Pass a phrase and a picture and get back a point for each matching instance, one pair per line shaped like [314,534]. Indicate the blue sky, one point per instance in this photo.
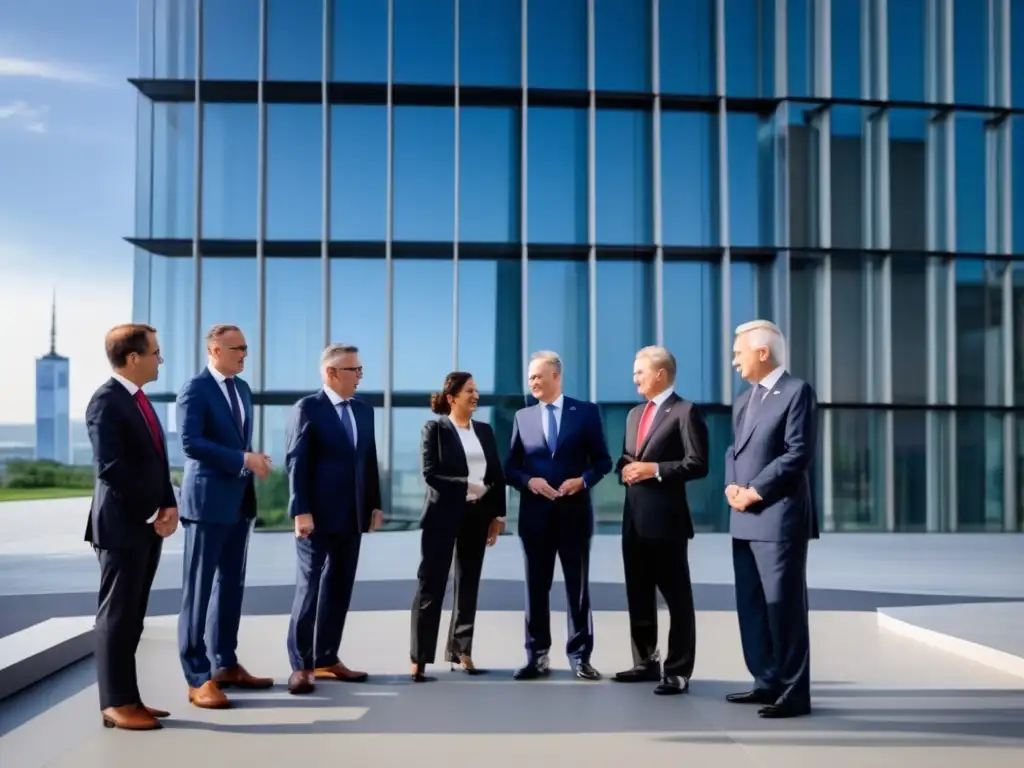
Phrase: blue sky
[67,144]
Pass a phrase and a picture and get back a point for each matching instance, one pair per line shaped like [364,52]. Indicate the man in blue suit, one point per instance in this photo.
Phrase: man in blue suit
[558,454]
[334,498]
[217,509]
[772,519]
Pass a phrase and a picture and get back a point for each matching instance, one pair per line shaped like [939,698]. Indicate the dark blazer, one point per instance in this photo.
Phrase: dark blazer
[133,480]
[677,441]
[214,481]
[444,467]
[581,452]
[773,457]
[328,477]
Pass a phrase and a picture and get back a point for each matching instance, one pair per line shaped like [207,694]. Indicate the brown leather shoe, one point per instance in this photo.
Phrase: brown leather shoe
[340,672]
[239,677]
[154,712]
[130,718]
[208,696]
[301,682]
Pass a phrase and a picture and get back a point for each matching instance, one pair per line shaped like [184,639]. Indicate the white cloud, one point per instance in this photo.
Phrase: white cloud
[45,70]
[23,115]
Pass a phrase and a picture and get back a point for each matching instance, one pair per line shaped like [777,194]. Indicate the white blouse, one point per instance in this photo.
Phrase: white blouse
[476,460]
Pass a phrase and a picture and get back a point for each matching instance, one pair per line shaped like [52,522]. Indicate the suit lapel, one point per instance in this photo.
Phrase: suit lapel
[138,419]
[657,421]
[568,422]
[221,402]
[447,433]
[766,410]
[333,418]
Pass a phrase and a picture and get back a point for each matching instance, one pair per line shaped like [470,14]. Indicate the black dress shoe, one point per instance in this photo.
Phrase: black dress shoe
[418,675]
[672,685]
[783,710]
[586,672]
[751,697]
[539,667]
[644,672]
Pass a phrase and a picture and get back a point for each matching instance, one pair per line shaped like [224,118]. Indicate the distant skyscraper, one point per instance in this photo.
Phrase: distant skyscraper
[53,422]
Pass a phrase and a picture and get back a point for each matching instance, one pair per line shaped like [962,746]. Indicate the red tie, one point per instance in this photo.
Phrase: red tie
[150,416]
[645,423]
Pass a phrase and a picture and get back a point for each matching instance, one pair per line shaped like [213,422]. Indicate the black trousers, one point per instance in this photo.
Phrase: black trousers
[467,542]
[126,578]
[654,565]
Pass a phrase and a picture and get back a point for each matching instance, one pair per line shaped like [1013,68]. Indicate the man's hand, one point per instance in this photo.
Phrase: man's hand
[166,521]
[638,471]
[258,464]
[496,528]
[476,491]
[571,486]
[743,498]
[303,526]
[376,520]
[731,491]
[540,486]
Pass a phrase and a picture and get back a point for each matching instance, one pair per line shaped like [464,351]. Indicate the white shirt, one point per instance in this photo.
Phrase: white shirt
[220,378]
[769,381]
[476,460]
[559,404]
[659,400]
[132,389]
[336,401]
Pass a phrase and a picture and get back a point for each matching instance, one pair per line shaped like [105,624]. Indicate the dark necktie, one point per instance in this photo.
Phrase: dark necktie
[151,422]
[344,411]
[756,398]
[552,429]
[236,412]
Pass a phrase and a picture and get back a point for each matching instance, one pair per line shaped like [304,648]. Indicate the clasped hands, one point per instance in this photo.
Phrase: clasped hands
[166,521]
[638,471]
[304,524]
[541,487]
[258,464]
[741,498]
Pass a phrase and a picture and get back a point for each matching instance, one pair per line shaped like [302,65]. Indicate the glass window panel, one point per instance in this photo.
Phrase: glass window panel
[359,37]
[624,155]
[166,413]
[910,470]
[490,42]
[848,177]
[748,223]
[359,315]
[743,77]
[1017,181]
[1017,56]
[490,324]
[272,492]
[295,326]
[692,294]
[622,46]
[806,291]
[231,40]
[686,50]
[406,478]
[689,172]
[424,41]
[359,172]
[556,44]
[906,49]
[174,44]
[799,47]
[979,332]
[979,471]
[846,54]
[858,470]
[173,169]
[1020,473]
[144,168]
[970,52]
[909,297]
[856,328]
[557,175]
[1018,337]
[229,296]
[609,495]
[751,292]
[423,289]
[424,173]
[971,202]
[230,162]
[907,179]
[294,172]
[625,324]
[489,194]
[558,319]
[295,39]
[172,312]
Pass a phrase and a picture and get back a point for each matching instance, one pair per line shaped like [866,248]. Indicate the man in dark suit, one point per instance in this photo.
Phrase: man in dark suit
[768,486]
[558,454]
[218,506]
[334,498]
[665,446]
[133,511]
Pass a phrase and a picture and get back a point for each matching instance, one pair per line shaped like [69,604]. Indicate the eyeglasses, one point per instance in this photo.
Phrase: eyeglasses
[352,369]
[240,348]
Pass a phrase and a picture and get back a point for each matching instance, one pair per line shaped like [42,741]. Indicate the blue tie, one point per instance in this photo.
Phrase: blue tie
[552,429]
[344,409]
[233,397]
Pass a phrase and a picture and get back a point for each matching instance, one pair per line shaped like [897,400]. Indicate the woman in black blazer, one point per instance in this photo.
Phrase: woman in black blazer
[464,512]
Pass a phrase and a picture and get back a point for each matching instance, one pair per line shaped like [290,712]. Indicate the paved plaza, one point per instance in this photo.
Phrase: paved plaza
[883,694]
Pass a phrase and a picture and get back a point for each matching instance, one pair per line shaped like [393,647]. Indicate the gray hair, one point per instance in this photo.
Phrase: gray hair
[333,351]
[764,333]
[661,359]
[218,330]
[549,357]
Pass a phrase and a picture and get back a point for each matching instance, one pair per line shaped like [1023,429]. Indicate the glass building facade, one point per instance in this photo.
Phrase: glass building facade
[457,183]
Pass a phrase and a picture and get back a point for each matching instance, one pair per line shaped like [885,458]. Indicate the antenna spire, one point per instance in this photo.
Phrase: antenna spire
[53,324]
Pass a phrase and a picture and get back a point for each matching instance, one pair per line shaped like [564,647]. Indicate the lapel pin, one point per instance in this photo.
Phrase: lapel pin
[572,407]
[775,392]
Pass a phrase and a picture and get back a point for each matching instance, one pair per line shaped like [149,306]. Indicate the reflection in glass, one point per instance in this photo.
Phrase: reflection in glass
[294,171]
[625,324]
[556,45]
[424,42]
[423,323]
[489,42]
[846,50]
[908,308]
[689,172]
[272,492]
[489,176]
[229,297]
[979,332]
[295,327]
[910,470]
[1017,357]
[558,319]
[686,51]
[806,289]
[907,179]
[359,154]
[407,486]
[359,35]
[857,333]
[359,315]
[970,51]
[557,175]
[622,46]
[751,299]
[749,219]
[849,177]
[295,39]
[490,319]
[172,313]
[624,209]
[230,163]
[231,40]
[799,49]
[692,301]
[743,38]
[174,159]
[979,471]
[970,183]
[424,173]
[906,49]
[858,470]
[174,42]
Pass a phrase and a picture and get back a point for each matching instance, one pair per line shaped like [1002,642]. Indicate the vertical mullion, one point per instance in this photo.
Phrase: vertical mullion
[591,205]
[261,216]
[456,171]
[524,109]
[197,223]
[327,48]
[1003,67]
[933,467]
[389,281]
[949,203]
[725,327]
[780,153]
[659,252]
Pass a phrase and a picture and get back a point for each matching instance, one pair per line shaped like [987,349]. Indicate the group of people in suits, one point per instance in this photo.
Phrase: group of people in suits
[557,456]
